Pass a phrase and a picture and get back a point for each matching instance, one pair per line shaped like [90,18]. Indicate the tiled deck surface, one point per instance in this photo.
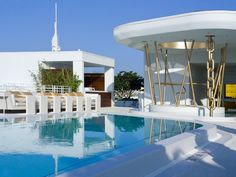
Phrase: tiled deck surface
[217,159]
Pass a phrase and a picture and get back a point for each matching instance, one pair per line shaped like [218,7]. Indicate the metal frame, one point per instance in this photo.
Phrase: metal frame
[224,55]
[150,74]
[188,46]
[188,70]
[214,83]
[167,74]
[182,45]
[158,73]
[220,76]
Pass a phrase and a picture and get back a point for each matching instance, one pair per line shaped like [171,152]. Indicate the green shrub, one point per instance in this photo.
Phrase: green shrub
[126,83]
[62,77]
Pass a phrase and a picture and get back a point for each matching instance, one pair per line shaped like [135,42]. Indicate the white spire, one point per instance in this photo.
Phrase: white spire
[55,41]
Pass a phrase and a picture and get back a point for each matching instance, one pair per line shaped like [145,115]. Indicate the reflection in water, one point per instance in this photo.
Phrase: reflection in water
[60,130]
[129,124]
[59,144]
[96,124]
[162,129]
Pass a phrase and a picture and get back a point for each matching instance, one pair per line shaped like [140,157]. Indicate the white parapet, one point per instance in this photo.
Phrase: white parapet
[43,104]
[98,103]
[109,81]
[43,117]
[30,104]
[78,69]
[69,105]
[80,104]
[141,101]
[200,111]
[56,104]
[88,104]
[3,101]
[92,102]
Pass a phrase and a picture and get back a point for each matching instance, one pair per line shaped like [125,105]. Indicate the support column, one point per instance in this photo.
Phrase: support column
[78,69]
[109,82]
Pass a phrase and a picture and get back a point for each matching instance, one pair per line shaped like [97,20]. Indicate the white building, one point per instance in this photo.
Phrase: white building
[177,51]
[16,67]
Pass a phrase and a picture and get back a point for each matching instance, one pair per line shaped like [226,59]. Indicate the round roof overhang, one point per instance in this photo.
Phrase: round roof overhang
[190,26]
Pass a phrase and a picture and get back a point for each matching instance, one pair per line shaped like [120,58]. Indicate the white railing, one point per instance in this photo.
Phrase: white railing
[31,103]
[54,89]
[28,87]
[15,86]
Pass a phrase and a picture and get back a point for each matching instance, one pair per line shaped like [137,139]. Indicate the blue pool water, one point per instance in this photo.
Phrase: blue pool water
[54,146]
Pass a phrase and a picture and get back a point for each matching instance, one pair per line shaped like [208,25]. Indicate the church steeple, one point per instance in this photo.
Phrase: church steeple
[55,40]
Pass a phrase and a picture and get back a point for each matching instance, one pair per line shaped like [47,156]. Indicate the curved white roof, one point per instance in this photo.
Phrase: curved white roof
[189,26]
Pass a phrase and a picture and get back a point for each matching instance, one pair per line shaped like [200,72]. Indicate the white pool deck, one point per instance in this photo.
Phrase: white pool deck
[212,156]
[209,151]
[217,159]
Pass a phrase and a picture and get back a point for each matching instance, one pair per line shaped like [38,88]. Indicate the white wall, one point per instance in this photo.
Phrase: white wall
[78,69]
[15,67]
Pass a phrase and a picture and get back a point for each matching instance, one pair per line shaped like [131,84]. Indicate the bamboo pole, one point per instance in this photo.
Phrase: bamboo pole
[158,73]
[149,73]
[167,74]
[222,75]
[187,70]
[189,54]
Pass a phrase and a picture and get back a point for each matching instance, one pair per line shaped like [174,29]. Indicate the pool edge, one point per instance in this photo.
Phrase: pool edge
[150,158]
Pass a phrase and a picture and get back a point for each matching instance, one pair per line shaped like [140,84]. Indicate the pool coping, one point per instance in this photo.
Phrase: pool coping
[151,158]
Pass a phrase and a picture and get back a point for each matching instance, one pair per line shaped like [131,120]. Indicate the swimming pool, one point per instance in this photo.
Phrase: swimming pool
[54,146]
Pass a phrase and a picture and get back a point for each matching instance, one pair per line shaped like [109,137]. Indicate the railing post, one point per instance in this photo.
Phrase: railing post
[98,103]
[43,104]
[80,104]
[56,104]
[88,104]
[69,107]
[30,104]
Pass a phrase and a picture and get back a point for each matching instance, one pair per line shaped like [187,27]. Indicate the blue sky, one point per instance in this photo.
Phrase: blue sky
[27,25]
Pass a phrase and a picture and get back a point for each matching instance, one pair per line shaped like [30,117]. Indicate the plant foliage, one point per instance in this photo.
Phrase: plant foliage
[126,84]
[62,77]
